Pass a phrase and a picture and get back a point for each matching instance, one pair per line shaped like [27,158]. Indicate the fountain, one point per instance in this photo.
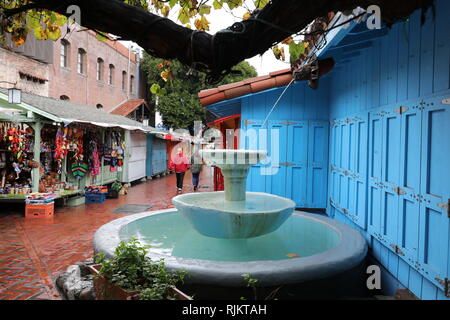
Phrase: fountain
[219,236]
[235,213]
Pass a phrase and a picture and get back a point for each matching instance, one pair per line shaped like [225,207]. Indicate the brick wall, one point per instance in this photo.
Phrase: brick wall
[85,88]
[10,65]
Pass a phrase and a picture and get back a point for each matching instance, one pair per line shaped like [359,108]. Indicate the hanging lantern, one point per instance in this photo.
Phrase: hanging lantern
[14,96]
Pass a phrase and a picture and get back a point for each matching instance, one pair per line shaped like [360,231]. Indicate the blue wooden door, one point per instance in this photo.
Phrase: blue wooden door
[297,162]
[358,168]
[435,191]
[255,137]
[375,172]
[317,164]
[390,180]
[410,163]
[277,152]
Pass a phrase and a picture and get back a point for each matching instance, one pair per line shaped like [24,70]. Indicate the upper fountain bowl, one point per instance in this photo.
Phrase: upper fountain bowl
[223,158]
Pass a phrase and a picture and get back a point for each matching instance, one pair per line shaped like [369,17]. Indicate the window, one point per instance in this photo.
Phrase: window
[64,97]
[64,53]
[99,69]
[99,106]
[131,83]
[81,62]
[124,80]
[111,74]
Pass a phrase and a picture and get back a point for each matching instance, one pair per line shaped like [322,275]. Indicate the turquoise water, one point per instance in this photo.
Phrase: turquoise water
[171,234]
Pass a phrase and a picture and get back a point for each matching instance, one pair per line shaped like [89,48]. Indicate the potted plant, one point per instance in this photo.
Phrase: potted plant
[113,192]
[132,275]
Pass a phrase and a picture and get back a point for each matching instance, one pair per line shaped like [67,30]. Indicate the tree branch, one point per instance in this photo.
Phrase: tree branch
[164,38]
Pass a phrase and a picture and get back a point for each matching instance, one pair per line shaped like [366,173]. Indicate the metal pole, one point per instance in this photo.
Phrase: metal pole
[37,126]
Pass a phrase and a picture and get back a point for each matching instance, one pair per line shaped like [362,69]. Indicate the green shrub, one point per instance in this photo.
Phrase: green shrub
[132,270]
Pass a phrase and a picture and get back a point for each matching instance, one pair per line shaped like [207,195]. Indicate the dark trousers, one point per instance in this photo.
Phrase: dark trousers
[180,178]
[195,179]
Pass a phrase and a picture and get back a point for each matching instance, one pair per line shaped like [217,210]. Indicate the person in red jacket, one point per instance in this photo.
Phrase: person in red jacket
[180,164]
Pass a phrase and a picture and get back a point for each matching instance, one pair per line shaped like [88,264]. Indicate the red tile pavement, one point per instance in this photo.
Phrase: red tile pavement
[33,252]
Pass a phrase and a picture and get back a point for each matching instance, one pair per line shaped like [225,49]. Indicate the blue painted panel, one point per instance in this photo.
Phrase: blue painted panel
[414,40]
[159,156]
[375,174]
[318,164]
[391,127]
[410,163]
[255,137]
[148,159]
[442,47]
[277,168]
[297,156]
[435,190]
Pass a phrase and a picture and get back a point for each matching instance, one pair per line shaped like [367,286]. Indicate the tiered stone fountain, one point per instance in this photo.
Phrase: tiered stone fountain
[220,236]
[235,213]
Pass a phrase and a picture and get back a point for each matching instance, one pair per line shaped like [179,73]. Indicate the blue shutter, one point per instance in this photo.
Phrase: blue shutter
[435,191]
[297,157]
[317,164]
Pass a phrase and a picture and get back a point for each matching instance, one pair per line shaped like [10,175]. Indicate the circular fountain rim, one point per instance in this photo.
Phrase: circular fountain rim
[347,254]
[181,197]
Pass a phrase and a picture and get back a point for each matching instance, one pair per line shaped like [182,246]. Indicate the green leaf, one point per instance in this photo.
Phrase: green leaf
[204,9]
[217,4]
[155,88]
[261,3]
[183,16]
[296,50]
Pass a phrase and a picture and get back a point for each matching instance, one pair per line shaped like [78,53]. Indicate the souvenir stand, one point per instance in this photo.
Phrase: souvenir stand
[58,147]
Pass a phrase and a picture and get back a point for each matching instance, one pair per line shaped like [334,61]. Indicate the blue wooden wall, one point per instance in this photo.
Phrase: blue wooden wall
[296,137]
[389,149]
[377,129]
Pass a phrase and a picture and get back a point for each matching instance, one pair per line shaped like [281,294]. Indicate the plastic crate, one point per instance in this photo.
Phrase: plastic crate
[40,210]
[95,198]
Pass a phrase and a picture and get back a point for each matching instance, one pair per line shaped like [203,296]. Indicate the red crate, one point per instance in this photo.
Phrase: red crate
[40,210]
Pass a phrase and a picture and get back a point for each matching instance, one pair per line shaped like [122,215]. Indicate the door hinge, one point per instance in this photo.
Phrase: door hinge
[247,122]
[445,206]
[399,191]
[402,110]
[397,249]
[446,285]
[287,123]
[446,101]
[287,164]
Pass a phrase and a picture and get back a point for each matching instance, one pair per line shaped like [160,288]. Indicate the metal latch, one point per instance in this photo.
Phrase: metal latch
[446,101]
[446,285]
[287,123]
[247,122]
[399,191]
[287,164]
[445,206]
[397,249]
[402,110]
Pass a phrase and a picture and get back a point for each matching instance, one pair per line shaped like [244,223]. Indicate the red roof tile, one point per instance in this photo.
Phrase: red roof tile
[275,79]
[127,107]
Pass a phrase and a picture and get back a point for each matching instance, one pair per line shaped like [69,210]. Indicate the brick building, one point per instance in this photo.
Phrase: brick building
[97,73]
[27,66]
[78,67]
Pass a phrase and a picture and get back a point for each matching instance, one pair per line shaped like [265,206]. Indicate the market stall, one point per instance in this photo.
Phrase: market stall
[53,146]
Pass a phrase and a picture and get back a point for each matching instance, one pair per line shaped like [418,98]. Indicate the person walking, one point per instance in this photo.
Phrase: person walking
[180,164]
[196,168]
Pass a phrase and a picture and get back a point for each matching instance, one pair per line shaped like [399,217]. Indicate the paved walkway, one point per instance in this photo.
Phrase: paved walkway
[33,252]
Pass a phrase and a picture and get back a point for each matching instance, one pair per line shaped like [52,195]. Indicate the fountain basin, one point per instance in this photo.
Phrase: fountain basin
[306,248]
[213,216]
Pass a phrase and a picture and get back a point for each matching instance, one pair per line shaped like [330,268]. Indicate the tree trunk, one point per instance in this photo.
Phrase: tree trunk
[163,38]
